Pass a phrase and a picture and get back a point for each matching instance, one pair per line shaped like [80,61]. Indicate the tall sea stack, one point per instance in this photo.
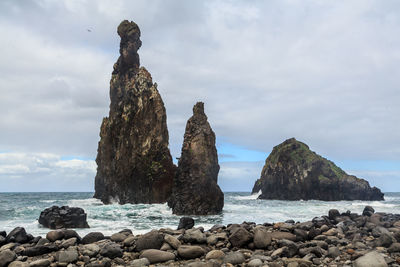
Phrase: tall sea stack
[134,164]
[196,191]
[293,172]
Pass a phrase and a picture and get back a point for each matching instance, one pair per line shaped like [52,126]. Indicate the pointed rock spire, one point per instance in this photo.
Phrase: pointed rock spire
[196,191]
[134,164]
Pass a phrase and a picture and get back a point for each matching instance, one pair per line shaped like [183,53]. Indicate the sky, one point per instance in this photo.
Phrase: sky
[324,72]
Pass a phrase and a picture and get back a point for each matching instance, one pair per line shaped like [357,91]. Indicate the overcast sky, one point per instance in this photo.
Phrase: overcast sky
[325,72]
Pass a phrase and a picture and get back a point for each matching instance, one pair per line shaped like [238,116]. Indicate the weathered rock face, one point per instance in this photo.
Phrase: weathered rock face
[134,161]
[195,185]
[293,172]
[63,217]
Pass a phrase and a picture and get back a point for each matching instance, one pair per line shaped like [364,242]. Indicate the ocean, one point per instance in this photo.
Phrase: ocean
[23,209]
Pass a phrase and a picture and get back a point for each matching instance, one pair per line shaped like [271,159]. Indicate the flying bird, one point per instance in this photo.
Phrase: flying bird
[89,30]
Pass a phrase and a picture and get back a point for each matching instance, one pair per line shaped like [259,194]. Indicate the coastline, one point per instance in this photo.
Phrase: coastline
[334,239]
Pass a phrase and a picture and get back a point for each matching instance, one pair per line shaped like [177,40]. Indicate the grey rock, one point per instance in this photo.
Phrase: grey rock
[262,238]
[234,258]
[151,240]
[215,254]
[18,264]
[18,235]
[186,223]
[6,256]
[40,263]
[69,242]
[368,211]
[240,237]
[395,247]
[385,240]
[255,263]
[92,237]
[67,256]
[140,262]
[155,255]
[111,250]
[283,235]
[371,259]
[129,241]
[90,250]
[333,252]
[39,250]
[190,252]
[172,241]
[118,237]
[194,236]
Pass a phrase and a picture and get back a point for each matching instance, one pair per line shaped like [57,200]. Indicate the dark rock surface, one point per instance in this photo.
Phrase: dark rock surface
[293,172]
[18,235]
[63,217]
[339,240]
[195,185]
[133,159]
[186,223]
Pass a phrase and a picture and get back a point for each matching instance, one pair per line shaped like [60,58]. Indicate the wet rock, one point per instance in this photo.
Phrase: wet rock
[151,240]
[133,159]
[6,256]
[234,258]
[92,237]
[186,223]
[18,235]
[195,188]
[371,259]
[118,237]
[39,250]
[333,213]
[368,211]
[240,237]
[3,240]
[155,255]
[190,252]
[55,235]
[293,172]
[111,250]
[262,239]
[63,217]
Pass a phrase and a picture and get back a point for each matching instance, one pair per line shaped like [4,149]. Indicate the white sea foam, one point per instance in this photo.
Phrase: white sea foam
[141,218]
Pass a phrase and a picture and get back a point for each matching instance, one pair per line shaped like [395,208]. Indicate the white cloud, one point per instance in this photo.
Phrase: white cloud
[324,72]
[45,172]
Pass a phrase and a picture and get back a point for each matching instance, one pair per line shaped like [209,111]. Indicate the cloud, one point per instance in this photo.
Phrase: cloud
[45,172]
[323,72]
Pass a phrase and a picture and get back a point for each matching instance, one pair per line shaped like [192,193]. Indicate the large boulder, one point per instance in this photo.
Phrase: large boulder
[134,164]
[63,217]
[293,172]
[195,185]
[18,235]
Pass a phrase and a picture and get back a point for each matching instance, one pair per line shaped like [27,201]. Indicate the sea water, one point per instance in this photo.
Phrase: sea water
[23,209]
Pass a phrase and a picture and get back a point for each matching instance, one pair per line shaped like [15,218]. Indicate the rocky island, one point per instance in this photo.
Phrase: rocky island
[195,190]
[293,172]
[134,164]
